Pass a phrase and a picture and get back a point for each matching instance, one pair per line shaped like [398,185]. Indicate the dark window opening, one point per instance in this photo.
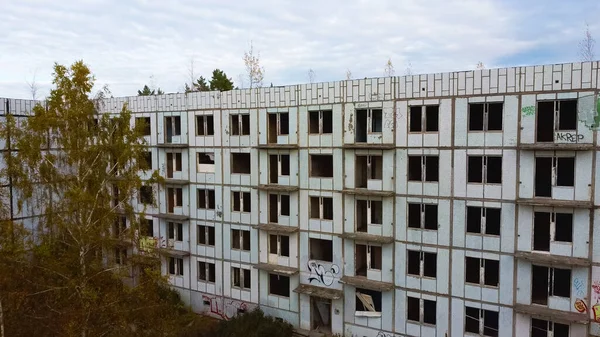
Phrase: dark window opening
[142,123]
[474,217]
[472,320]
[491,272]
[494,116]
[491,323]
[475,169]
[375,257]
[492,221]
[431,217]
[539,285]
[415,121]
[240,239]
[146,195]
[564,227]
[413,309]
[493,168]
[206,235]
[273,208]
[240,163]
[321,166]
[561,282]
[327,208]
[543,176]
[147,227]
[414,262]
[476,116]
[545,121]
[284,200]
[376,208]
[432,118]
[360,126]
[567,116]
[429,312]
[327,121]
[565,175]
[368,300]
[285,164]
[376,120]
[414,215]
[415,168]
[429,264]
[541,231]
[321,250]
[313,122]
[245,124]
[148,160]
[235,125]
[175,231]
[432,168]
[247,278]
[206,271]
[205,125]
[279,285]
[284,123]
[472,270]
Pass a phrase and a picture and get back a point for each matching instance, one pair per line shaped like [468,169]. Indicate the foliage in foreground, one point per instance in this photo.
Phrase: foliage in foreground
[251,324]
[62,271]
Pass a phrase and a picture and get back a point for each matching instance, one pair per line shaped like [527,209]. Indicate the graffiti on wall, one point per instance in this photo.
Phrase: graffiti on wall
[579,286]
[569,137]
[321,273]
[389,117]
[383,334]
[595,301]
[528,110]
[225,308]
[589,111]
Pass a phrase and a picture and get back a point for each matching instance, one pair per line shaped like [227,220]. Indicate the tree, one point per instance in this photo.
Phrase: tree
[253,324]
[389,68]
[480,65]
[348,74]
[408,71]
[146,91]
[69,281]
[33,87]
[220,81]
[254,71]
[587,46]
[311,75]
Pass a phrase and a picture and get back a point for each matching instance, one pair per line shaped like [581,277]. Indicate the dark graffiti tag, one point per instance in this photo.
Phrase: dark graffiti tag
[568,137]
[321,274]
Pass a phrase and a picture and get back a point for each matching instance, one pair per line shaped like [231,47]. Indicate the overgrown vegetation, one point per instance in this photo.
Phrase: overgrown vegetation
[251,324]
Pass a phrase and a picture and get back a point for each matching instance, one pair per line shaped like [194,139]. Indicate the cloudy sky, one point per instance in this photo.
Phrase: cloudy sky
[129,43]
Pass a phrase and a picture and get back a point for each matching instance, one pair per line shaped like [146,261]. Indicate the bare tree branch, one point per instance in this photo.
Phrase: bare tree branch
[587,46]
[33,86]
[311,76]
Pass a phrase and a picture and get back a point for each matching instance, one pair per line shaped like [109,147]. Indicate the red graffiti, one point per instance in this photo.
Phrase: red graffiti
[224,309]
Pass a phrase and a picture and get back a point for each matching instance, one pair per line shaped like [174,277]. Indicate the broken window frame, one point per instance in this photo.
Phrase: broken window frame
[285,294]
[422,261]
[553,227]
[423,120]
[203,124]
[321,202]
[483,211]
[325,255]
[146,195]
[241,275]
[242,127]
[175,123]
[557,112]
[279,249]
[482,272]
[242,234]
[208,277]
[321,119]
[363,298]
[369,212]
[370,171]
[371,120]
[311,157]
[175,266]
[175,231]
[485,117]
[423,217]
[233,155]
[241,196]
[421,310]
[177,198]
[278,118]
[138,120]
[120,256]
[203,231]
[483,322]
[484,169]
[210,155]
[207,198]
[280,171]
[176,160]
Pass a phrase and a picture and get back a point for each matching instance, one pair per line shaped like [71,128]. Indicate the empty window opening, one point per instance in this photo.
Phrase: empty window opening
[368,167]
[279,285]
[146,195]
[424,118]
[321,250]
[553,171]
[240,163]
[321,208]
[119,226]
[120,256]
[368,212]
[241,201]
[241,278]
[279,205]
[541,328]
[205,125]
[481,322]
[240,239]
[423,168]
[423,216]
[421,310]
[173,163]
[172,127]
[142,123]
[240,125]
[484,169]
[422,263]
[368,300]
[175,266]
[147,160]
[206,199]
[321,165]
[206,271]
[279,245]
[484,272]
[485,116]
[559,115]
[175,198]
[206,235]
[175,231]
[367,121]
[279,125]
[147,226]
[206,162]
[320,122]
[279,165]
[549,282]
[367,257]
[483,220]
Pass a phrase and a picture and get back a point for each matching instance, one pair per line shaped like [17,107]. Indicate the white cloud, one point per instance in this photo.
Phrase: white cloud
[125,42]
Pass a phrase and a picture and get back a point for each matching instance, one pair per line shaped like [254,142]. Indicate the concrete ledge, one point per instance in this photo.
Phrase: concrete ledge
[546,313]
[332,294]
[363,282]
[550,259]
[277,269]
[359,236]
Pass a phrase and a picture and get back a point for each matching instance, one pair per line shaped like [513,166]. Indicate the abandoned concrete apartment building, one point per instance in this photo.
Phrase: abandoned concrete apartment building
[447,204]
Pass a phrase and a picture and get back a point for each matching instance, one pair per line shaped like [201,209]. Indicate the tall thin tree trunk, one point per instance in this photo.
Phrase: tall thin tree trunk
[1,319]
